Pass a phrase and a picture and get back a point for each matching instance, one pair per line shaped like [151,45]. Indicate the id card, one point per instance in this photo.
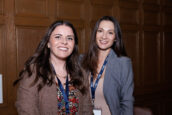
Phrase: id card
[97,111]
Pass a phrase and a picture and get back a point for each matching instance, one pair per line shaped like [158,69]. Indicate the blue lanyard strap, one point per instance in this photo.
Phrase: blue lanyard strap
[65,94]
[93,87]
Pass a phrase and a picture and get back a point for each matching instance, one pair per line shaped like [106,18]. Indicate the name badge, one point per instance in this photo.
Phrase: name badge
[97,111]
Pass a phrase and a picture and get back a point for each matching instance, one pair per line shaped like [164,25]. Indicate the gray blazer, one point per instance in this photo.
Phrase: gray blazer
[118,85]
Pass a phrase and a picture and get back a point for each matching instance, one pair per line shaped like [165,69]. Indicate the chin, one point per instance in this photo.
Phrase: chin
[63,56]
[104,48]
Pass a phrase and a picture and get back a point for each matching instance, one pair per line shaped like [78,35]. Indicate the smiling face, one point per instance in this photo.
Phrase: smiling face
[61,42]
[105,35]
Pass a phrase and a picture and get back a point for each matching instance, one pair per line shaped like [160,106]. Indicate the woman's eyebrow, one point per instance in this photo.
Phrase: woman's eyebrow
[57,34]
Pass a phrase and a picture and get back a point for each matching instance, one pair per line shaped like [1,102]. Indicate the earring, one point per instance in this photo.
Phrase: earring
[48,45]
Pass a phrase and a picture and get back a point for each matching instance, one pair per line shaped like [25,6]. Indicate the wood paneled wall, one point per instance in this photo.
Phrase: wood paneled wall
[147,33]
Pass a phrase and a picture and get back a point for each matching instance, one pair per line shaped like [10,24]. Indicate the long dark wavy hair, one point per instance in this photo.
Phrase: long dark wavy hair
[40,61]
[90,60]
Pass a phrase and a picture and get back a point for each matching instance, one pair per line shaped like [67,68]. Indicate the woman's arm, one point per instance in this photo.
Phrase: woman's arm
[87,101]
[87,105]
[126,101]
[27,97]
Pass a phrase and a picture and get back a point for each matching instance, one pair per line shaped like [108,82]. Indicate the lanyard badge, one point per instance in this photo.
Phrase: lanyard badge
[97,111]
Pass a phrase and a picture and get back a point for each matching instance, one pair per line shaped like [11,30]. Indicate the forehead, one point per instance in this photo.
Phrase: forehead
[63,29]
[105,24]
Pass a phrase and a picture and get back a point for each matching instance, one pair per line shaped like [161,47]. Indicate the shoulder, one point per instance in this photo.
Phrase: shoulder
[119,66]
[123,63]
[29,78]
[123,60]
[120,69]
[115,60]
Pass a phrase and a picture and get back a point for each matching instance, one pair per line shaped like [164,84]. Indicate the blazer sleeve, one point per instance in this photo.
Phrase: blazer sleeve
[87,105]
[86,99]
[27,97]
[126,96]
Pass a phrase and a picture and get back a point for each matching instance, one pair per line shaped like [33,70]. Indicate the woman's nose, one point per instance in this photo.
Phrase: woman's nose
[104,35]
[64,41]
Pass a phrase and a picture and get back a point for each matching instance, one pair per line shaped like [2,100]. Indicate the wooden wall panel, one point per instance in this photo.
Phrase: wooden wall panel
[151,60]
[132,45]
[2,50]
[147,33]
[102,2]
[167,106]
[99,11]
[168,57]
[151,18]
[34,8]
[154,105]
[69,9]
[2,19]
[33,12]
[3,63]
[152,15]
[31,18]
[28,39]
[100,8]
[129,21]
[159,104]
[168,18]
[167,3]
[80,29]
[81,39]
[129,0]
[1,7]
[151,1]
[130,38]
[1,11]
[129,14]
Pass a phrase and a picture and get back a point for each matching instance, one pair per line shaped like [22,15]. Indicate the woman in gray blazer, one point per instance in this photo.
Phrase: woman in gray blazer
[109,69]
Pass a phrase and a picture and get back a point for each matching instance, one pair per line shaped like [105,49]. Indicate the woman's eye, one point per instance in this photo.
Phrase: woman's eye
[70,38]
[111,32]
[99,30]
[58,37]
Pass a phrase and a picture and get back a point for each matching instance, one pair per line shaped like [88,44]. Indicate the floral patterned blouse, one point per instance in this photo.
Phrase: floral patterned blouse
[73,101]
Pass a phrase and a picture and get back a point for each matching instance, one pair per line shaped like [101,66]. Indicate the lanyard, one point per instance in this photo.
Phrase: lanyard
[93,87]
[65,94]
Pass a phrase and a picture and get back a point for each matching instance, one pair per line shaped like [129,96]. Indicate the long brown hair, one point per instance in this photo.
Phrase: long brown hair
[90,60]
[40,61]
